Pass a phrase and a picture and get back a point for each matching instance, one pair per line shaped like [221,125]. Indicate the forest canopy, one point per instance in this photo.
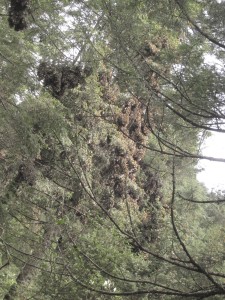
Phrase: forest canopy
[104,105]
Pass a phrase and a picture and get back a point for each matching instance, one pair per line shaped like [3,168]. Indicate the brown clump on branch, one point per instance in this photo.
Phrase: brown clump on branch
[17,14]
[26,173]
[61,78]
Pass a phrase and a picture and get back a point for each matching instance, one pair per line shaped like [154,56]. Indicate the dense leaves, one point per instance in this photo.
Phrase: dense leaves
[103,104]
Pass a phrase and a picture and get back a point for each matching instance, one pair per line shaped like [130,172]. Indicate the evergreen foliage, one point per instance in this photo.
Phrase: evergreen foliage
[102,103]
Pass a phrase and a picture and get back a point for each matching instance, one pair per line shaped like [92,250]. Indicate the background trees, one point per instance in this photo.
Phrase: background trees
[102,107]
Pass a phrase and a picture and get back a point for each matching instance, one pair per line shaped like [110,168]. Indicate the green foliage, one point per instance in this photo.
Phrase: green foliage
[99,196]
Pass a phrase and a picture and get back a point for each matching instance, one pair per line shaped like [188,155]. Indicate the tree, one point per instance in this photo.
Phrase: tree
[100,127]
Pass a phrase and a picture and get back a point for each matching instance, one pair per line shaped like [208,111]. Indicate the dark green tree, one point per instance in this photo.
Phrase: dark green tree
[102,106]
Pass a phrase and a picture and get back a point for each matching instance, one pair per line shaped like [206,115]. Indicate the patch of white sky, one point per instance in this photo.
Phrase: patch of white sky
[213,173]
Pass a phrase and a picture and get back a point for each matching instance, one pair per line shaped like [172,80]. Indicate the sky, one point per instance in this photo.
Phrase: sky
[213,175]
